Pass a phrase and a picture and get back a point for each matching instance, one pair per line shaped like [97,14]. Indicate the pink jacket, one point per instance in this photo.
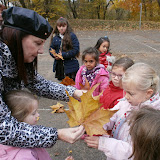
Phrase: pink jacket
[15,153]
[118,146]
[102,77]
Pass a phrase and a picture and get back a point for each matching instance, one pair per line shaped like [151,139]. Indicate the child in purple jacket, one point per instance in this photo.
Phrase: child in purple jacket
[92,71]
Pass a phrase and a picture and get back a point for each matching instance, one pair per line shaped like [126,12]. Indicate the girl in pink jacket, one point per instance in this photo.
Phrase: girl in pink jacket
[140,82]
[92,71]
[23,106]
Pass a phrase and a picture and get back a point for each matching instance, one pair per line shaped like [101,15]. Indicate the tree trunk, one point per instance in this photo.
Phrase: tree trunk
[98,11]
[145,9]
[151,10]
[46,8]
[73,9]
[105,10]
[159,7]
[22,3]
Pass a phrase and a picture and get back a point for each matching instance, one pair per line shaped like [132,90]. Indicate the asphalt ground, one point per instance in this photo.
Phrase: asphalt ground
[141,46]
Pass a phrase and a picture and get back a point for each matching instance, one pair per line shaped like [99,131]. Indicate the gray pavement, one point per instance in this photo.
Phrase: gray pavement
[142,46]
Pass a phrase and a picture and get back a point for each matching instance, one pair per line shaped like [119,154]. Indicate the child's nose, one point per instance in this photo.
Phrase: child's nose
[41,50]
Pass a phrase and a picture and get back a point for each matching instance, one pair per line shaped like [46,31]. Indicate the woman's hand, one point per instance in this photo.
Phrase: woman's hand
[70,135]
[78,93]
[92,141]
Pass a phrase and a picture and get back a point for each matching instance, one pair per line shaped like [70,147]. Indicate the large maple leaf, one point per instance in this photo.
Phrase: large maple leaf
[88,113]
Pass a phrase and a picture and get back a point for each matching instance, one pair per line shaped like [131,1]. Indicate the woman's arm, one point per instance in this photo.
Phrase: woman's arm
[50,89]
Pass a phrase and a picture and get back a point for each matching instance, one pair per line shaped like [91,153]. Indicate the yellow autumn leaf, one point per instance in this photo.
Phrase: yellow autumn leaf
[55,54]
[59,108]
[37,118]
[88,113]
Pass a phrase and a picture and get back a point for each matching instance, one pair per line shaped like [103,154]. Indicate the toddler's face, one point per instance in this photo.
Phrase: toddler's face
[62,29]
[104,47]
[134,95]
[89,62]
[116,75]
[32,117]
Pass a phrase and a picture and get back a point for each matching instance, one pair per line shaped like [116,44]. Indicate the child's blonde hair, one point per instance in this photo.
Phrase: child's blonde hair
[143,76]
[20,103]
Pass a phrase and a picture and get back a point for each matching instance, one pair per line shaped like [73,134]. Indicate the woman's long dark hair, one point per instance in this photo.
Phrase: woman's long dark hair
[13,39]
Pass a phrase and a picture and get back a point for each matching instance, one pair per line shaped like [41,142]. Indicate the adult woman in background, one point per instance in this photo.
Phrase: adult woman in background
[22,39]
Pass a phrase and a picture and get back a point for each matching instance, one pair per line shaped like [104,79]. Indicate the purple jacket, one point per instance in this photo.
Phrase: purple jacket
[15,153]
[102,77]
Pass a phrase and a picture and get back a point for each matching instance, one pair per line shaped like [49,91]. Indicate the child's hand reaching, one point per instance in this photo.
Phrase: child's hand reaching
[92,141]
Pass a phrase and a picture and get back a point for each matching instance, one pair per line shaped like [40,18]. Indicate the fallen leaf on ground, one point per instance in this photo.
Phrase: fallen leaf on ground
[68,81]
[70,151]
[55,54]
[88,113]
[58,108]
[56,154]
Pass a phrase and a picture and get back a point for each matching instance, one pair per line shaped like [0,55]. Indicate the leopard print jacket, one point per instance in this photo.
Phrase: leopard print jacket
[20,134]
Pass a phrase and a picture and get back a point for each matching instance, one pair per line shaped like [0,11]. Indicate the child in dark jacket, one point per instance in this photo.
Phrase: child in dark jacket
[114,90]
[105,56]
[65,44]
[92,71]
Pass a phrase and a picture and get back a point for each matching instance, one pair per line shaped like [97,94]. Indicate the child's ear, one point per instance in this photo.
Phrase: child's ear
[149,93]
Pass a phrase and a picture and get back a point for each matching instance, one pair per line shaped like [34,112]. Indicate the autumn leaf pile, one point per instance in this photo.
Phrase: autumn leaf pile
[88,113]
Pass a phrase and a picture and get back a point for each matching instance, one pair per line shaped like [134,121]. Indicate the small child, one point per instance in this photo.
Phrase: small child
[23,106]
[105,56]
[66,44]
[92,71]
[140,83]
[114,92]
[145,133]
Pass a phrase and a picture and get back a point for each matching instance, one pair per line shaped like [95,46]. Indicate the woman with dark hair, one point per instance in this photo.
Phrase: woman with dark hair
[22,39]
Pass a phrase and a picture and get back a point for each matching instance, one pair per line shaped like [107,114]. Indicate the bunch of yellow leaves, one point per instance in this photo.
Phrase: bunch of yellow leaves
[55,54]
[58,108]
[68,81]
[88,113]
